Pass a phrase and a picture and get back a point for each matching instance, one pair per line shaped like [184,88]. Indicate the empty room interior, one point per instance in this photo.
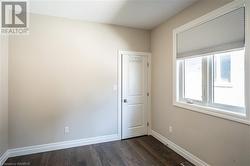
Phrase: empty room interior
[125,83]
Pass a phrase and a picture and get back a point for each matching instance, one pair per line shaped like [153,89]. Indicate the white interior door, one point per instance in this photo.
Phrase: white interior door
[134,95]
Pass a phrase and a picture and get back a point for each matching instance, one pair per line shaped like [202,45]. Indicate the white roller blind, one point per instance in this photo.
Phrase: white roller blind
[223,33]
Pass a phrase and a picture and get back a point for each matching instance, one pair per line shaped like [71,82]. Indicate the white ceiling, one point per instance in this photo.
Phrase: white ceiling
[145,14]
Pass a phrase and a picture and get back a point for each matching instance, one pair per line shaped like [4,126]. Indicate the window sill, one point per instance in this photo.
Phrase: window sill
[214,112]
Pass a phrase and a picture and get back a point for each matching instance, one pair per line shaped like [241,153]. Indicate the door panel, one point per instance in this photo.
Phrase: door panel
[134,95]
[135,76]
[135,115]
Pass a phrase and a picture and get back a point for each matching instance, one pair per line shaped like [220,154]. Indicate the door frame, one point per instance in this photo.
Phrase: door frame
[119,89]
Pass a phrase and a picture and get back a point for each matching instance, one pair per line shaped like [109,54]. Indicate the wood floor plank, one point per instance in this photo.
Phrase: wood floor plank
[162,153]
[108,155]
[127,154]
[144,153]
[140,151]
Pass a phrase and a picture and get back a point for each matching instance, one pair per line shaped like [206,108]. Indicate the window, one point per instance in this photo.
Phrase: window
[228,86]
[193,77]
[215,81]
[211,66]
[222,69]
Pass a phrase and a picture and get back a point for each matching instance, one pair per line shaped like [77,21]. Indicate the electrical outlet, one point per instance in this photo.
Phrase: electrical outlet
[66,130]
[170,129]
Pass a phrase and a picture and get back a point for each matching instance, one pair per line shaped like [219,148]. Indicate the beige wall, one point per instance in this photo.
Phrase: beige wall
[216,141]
[62,74]
[3,94]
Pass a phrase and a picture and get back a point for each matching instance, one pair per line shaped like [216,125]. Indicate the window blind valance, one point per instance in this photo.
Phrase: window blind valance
[223,33]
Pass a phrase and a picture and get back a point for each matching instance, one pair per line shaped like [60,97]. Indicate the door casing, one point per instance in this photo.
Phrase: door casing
[119,89]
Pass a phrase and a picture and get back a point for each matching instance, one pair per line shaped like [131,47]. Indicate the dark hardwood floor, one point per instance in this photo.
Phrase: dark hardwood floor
[140,151]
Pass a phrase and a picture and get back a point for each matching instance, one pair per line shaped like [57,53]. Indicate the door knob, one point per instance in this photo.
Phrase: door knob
[125,100]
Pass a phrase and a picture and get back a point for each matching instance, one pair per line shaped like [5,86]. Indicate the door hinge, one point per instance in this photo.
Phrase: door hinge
[147,64]
[147,123]
[148,94]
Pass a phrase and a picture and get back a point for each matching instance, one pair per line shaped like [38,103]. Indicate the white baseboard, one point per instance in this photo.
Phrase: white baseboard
[4,157]
[184,153]
[94,140]
[60,145]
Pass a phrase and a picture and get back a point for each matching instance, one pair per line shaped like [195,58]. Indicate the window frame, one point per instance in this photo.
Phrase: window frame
[207,84]
[221,110]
